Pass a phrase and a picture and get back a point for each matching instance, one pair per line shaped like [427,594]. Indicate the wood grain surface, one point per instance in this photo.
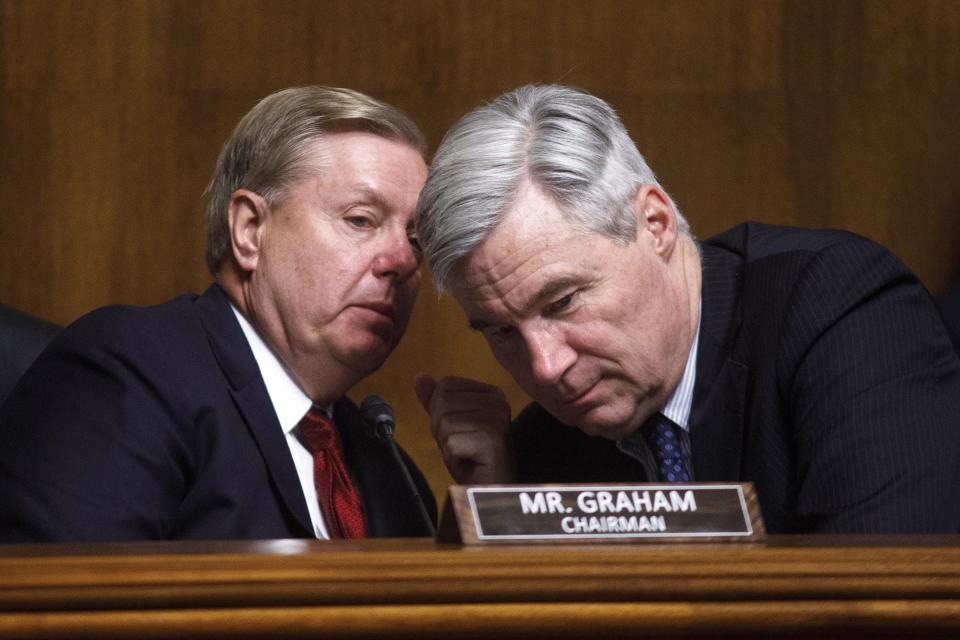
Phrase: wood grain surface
[814,586]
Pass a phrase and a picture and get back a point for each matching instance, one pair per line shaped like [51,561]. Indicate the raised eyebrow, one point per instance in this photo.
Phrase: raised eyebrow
[367,195]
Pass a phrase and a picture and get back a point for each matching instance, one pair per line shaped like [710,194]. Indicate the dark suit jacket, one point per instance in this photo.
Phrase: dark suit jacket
[948,304]
[22,338]
[823,375]
[156,424]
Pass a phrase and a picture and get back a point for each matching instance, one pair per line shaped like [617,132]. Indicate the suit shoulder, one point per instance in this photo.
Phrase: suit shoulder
[755,241]
[130,325]
[125,315]
[122,344]
[783,263]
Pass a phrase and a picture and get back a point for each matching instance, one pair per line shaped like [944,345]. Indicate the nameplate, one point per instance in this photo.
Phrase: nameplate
[692,512]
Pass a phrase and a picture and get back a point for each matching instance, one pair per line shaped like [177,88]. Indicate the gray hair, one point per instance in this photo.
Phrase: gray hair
[270,150]
[568,143]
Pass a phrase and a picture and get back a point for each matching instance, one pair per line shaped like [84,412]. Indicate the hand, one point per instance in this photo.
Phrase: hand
[470,421]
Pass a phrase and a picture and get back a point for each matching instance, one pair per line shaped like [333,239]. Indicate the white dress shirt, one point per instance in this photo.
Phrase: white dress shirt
[290,404]
[680,404]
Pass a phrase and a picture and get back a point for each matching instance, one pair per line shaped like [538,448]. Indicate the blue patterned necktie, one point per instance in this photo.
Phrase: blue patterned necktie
[669,447]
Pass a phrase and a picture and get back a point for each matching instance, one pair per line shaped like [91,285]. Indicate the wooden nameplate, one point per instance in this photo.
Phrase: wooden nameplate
[578,513]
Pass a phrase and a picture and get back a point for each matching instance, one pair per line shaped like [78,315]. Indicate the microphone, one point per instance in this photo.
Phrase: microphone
[378,415]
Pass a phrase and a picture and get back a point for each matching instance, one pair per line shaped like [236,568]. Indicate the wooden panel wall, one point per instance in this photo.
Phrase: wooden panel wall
[838,113]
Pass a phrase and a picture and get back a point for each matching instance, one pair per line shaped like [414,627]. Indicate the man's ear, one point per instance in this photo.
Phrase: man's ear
[246,213]
[657,218]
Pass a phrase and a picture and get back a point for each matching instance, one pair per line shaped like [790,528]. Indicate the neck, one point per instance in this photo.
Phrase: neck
[691,274]
[318,380]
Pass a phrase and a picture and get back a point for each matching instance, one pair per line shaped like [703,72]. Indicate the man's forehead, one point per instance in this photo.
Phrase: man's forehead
[358,147]
[527,254]
[501,265]
[368,167]
[489,300]
[523,242]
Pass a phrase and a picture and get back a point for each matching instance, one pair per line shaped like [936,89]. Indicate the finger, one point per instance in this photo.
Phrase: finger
[484,423]
[464,446]
[476,460]
[457,384]
[489,403]
[455,395]
[453,413]
[475,444]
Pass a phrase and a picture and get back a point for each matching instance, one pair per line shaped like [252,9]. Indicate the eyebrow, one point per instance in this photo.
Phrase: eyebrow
[547,291]
[366,194]
[370,194]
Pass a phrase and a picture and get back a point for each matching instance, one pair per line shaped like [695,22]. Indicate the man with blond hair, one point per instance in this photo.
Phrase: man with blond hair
[224,415]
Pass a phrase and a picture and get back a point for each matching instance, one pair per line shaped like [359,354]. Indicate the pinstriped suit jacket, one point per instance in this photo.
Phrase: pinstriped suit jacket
[824,375]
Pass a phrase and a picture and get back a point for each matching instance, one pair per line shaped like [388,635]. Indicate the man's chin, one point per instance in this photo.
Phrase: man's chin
[365,356]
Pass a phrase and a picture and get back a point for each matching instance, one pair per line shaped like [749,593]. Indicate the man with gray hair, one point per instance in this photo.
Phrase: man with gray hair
[811,363]
[224,415]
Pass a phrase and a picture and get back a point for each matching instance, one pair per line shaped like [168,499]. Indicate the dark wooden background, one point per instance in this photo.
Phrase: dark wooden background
[839,113]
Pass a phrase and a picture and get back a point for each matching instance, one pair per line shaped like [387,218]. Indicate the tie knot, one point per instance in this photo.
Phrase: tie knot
[317,430]
[662,436]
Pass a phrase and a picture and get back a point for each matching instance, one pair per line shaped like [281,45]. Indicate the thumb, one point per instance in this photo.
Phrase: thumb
[424,385]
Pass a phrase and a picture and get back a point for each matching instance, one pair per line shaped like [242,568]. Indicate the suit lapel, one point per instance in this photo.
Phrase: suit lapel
[716,419]
[249,393]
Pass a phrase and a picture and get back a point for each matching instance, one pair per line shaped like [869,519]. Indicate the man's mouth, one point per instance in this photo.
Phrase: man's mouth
[579,396]
[382,308]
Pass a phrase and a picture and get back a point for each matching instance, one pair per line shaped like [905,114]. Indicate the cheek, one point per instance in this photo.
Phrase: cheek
[609,348]
[338,265]
[597,338]
[339,275]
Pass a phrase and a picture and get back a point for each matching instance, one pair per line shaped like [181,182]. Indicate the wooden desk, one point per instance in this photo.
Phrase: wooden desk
[822,587]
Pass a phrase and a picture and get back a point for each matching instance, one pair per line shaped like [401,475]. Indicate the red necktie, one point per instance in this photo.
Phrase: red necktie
[339,500]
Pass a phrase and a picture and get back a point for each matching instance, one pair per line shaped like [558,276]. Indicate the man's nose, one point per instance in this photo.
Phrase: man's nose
[396,257]
[550,355]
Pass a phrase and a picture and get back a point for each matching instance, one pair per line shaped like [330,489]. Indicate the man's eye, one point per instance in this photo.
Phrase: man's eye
[415,242]
[360,222]
[502,333]
[560,305]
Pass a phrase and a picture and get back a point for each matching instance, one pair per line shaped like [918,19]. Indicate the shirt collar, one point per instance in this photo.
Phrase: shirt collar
[290,403]
[681,401]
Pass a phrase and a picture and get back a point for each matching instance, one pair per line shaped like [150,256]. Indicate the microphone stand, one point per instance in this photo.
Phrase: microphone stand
[378,414]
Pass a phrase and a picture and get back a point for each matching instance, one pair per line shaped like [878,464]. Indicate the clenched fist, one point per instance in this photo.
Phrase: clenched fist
[470,421]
